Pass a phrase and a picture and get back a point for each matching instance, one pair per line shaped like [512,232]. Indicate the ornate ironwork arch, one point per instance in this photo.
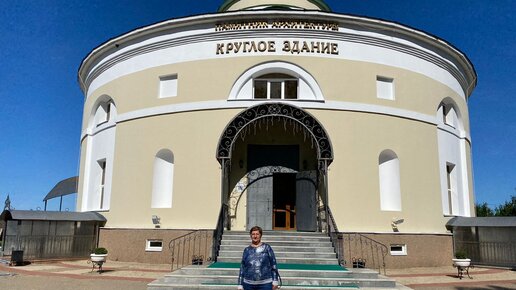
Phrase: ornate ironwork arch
[283,110]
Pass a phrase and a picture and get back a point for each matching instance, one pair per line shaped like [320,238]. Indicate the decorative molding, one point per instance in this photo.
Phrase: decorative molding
[274,67]
[274,110]
[420,45]
[242,104]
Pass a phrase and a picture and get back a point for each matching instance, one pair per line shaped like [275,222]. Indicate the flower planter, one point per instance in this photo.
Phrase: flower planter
[98,257]
[461,262]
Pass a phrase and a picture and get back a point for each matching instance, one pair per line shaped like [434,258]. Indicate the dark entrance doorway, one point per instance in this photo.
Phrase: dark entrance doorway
[272,155]
[273,192]
[284,201]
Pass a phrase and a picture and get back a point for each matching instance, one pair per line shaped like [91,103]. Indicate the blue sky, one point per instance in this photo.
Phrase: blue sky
[43,43]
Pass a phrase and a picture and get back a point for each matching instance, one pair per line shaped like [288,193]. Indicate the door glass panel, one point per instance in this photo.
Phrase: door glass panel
[280,219]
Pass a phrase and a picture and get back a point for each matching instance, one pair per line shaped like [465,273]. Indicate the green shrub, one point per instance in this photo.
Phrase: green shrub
[100,251]
[460,254]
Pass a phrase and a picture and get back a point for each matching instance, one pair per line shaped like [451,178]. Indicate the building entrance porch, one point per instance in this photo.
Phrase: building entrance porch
[274,158]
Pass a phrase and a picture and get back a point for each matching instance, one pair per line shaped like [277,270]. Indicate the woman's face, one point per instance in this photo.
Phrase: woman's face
[256,237]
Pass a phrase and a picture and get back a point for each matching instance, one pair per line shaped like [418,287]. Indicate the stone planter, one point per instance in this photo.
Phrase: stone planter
[98,257]
[461,262]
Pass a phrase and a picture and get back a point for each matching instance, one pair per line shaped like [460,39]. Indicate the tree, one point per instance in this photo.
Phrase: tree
[507,209]
[483,210]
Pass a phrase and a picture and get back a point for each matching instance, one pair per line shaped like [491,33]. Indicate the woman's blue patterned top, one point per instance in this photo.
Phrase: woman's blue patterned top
[258,266]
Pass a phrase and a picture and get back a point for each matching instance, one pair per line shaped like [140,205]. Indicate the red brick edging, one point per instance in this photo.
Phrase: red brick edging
[73,276]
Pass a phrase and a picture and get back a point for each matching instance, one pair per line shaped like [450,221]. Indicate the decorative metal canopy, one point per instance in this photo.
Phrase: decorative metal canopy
[280,110]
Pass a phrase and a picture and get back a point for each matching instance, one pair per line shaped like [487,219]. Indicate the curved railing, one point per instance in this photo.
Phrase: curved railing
[356,250]
[364,252]
[192,248]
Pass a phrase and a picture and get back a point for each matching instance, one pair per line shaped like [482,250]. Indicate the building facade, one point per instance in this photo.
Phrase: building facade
[282,111]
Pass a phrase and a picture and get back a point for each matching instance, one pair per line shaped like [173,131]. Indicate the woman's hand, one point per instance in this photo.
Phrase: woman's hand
[274,287]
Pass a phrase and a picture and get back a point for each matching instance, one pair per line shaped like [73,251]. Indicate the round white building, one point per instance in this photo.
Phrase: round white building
[283,113]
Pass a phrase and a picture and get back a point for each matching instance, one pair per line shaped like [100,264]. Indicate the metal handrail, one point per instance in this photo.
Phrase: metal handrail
[333,232]
[362,251]
[188,249]
[217,235]
[194,247]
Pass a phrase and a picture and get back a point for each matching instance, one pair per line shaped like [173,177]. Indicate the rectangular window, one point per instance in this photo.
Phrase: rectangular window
[291,89]
[154,246]
[275,90]
[275,86]
[399,250]
[260,89]
[102,165]
[168,86]
[450,180]
[385,88]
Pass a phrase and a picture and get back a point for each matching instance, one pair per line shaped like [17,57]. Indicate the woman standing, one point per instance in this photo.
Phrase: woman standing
[258,270]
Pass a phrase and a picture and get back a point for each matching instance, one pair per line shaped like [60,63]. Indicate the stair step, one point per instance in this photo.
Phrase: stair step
[292,260]
[276,233]
[221,279]
[273,244]
[306,261]
[284,273]
[282,255]
[293,249]
[233,287]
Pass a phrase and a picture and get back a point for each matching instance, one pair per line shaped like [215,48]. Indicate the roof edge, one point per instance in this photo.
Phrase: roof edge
[51,215]
[112,44]
[319,3]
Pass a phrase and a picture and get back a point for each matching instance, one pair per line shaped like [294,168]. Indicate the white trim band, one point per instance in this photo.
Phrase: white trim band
[224,104]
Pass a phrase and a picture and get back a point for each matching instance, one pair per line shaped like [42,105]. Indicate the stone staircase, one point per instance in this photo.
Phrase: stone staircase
[305,261]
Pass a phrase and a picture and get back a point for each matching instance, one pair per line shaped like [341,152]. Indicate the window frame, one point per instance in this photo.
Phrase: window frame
[403,251]
[150,248]
[270,80]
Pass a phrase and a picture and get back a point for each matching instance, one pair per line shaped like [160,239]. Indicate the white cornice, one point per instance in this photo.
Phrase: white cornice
[199,29]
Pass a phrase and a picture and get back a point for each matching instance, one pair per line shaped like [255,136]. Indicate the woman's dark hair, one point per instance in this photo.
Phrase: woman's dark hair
[256,228]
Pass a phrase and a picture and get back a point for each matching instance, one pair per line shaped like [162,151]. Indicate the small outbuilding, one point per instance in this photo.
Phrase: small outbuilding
[485,240]
[50,234]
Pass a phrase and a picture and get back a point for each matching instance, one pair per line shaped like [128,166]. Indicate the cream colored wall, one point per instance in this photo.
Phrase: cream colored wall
[358,138]
[243,4]
[349,81]
[192,137]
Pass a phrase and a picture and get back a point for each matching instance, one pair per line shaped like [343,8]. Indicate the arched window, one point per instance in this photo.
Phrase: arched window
[389,173]
[447,114]
[275,86]
[98,168]
[163,180]
[453,151]
[104,113]
[276,80]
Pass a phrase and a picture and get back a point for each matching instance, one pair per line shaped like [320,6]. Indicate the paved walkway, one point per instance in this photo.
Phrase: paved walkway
[446,278]
[78,275]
